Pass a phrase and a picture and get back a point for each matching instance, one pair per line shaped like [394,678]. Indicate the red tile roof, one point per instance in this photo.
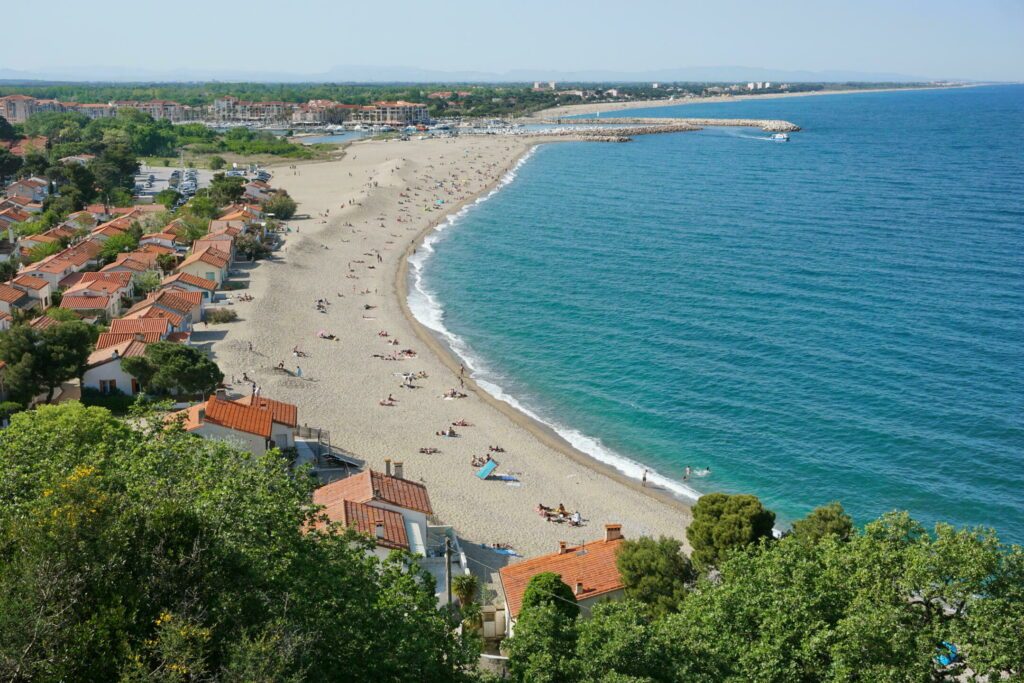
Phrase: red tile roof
[208,255]
[43,322]
[363,518]
[143,325]
[283,413]
[155,312]
[10,294]
[85,302]
[107,339]
[190,279]
[373,486]
[121,278]
[30,282]
[125,349]
[592,564]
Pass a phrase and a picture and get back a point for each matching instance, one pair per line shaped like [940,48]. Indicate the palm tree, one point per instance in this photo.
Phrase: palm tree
[465,588]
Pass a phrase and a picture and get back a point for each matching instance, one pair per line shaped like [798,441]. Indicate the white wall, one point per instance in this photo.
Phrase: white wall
[108,371]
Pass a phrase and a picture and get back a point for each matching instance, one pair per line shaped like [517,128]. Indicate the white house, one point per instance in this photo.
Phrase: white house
[255,424]
[103,368]
[394,493]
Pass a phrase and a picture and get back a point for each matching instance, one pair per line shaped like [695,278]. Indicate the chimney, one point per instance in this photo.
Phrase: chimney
[222,395]
[612,532]
[379,529]
[562,545]
[579,588]
[202,415]
[387,466]
[399,470]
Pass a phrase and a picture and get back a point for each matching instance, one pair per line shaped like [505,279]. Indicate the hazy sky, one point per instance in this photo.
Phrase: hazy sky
[978,39]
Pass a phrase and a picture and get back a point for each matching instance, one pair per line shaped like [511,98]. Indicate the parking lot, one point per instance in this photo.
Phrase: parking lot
[162,176]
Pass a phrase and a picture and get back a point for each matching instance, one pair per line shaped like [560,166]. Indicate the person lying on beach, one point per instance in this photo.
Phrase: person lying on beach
[387,403]
[496,449]
[449,432]
[428,450]
[461,423]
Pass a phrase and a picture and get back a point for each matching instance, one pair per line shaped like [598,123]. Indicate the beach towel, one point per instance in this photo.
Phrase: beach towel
[486,470]
[506,551]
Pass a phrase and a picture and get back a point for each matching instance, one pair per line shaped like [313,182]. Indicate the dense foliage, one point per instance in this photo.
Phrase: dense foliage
[722,523]
[877,606]
[655,572]
[38,361]
[156,556]
[171,368]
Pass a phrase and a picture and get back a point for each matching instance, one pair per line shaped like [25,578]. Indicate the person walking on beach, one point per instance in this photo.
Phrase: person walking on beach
[298,371]
[643,481]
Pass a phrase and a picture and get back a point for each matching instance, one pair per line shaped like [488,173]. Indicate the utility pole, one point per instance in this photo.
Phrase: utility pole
[448,568]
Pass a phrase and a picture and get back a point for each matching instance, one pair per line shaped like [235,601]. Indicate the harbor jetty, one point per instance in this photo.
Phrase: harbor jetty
[677,124]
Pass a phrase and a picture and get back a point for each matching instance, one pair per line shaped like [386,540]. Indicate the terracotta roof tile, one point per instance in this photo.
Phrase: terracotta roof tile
[10,294]
[107,339]
[126,349]
[30,282]
[363,518]
[370,485]
[592,564]
[283,413]
[190,279]
[85,302]
[144,325]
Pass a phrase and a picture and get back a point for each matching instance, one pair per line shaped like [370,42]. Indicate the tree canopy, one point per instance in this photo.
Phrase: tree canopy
[823,521]
[655,572]
[723,522]
[170,368]
[154,555]
[40,360]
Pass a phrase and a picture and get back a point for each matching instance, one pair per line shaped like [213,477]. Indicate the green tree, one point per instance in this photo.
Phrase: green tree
[203,207]
[166,262]
[8,269]
[542,649]
[225,190]
[722,523]
[823,521]
[465,588]
[281,205]
[7,131]
[618,643]
[9,163]
[41,360]
[168,197]
[217,163]
[170,368]
[144,553]
[655,572]
[117,244]
[547,588]
[147,282]
[251,247]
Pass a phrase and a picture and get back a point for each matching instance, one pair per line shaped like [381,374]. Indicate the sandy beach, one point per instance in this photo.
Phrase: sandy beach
[580,109]
[367,212]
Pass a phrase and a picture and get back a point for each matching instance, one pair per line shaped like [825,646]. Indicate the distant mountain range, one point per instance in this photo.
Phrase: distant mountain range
[401,74]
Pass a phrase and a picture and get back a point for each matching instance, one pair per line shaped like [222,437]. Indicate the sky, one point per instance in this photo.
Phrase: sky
[961,39]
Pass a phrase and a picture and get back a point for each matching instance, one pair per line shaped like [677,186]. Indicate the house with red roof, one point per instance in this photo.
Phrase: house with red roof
[103,368]
[589,570]
[36,287]
[34,189]
[188,307]
[95,307]
[256,424]
[208,264]
[13,299]
[191,283]
[385,491]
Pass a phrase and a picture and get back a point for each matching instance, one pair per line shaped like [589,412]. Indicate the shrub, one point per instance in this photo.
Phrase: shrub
[220,315]
[217,163]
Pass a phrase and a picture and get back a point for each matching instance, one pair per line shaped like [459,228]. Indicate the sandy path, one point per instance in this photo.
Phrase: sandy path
[336,258]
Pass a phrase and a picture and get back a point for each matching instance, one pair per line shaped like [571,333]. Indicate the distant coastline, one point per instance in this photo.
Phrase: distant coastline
[578,109]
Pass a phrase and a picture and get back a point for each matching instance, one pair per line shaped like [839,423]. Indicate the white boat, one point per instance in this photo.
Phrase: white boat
[781,137]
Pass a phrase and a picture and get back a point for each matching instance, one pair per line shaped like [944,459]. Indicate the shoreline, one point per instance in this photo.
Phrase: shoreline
[543,431]
[339,389]
[610,107]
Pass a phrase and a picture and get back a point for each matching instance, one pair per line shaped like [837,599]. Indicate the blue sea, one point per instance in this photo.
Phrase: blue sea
[839,317]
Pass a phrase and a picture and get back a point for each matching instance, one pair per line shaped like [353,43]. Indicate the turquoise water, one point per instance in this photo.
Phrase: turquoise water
[837,317]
